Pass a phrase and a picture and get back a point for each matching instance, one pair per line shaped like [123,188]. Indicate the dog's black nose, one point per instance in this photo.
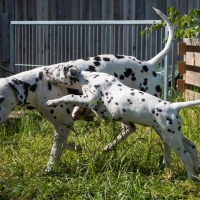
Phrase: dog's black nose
[73,72]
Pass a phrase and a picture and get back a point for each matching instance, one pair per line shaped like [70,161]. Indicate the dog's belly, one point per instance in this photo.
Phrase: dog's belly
[131,114]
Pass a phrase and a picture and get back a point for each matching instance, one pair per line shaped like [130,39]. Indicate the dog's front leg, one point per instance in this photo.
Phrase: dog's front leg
[79,100]
[59,144]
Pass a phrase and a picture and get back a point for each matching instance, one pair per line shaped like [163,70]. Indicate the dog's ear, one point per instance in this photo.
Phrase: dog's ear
[21,88]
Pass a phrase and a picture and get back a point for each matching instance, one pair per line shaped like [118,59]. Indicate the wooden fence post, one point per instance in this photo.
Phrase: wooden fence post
[189,68]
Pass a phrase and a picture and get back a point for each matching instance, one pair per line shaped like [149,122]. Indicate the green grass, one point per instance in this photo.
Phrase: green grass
[131,171]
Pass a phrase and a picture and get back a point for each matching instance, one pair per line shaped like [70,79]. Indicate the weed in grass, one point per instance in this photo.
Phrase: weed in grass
[130,171]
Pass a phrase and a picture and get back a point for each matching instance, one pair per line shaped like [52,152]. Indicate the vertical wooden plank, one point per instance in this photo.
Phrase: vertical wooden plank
[42,11]
[2,6]
[182,7]
[18,10]
[31,10]
[53,10]
[42,8]
[6,14]
[118,10]
[190,58]
[197,59]
[107,10]
[149,11]
[181,67]
[193,4]
[162,6]
[1,30]
[76,10]
[97,10]
[179,5]
[5,37]
[181,48]
[10,8]
[86,9]
[180,85]
[129,9]
[172,3]
[140,8]
[2,74]
[104,34]
[129,13]
[85,14]
[25,9]
[64,10]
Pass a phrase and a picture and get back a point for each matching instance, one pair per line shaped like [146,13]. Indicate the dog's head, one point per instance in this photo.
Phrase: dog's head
[8,99]
[62,74]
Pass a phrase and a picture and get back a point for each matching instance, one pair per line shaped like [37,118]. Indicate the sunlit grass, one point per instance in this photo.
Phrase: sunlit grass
[131,171]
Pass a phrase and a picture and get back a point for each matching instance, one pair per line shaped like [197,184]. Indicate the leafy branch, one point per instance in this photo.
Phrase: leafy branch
[185,26]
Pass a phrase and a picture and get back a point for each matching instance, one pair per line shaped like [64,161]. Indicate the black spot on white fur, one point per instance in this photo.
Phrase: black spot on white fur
[145,68]
[128,72]
[97,63]
[121,77]
[119,56]
[154,74]
[97,58]
[158,89]
[33,87]
[49,86]
[106,59]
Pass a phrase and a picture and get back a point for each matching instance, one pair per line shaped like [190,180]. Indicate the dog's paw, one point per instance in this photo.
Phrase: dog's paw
[108,147]
[50,103]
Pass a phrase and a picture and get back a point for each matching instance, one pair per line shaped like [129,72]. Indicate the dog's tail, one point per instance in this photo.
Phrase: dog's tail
[179,105]
[160,56]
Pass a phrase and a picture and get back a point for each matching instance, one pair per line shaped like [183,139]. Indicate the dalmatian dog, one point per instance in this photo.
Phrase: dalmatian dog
[31,90]
[129,70]
[101,94]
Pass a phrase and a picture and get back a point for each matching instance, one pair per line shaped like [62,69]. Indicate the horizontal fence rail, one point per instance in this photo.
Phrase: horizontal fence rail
[39,43]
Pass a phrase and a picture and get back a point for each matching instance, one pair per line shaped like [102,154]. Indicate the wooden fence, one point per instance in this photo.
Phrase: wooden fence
[32,10]
[189,68]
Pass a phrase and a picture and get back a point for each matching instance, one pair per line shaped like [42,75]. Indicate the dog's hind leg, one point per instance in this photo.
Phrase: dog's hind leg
[191,148]
[174,141]
[167,152]
[128,128]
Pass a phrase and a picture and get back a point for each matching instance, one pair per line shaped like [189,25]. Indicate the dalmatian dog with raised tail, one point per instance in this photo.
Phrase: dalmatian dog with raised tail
[129,70]
[31,90]
[100,93]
